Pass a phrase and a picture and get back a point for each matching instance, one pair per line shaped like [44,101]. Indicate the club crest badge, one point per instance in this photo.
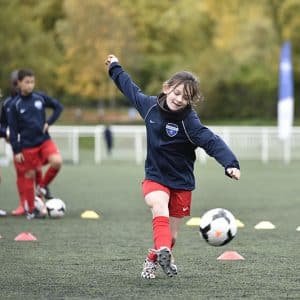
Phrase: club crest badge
[171,129]
[38,104]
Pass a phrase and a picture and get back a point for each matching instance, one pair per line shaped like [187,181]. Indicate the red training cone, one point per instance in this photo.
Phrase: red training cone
[25,236]
[230,255]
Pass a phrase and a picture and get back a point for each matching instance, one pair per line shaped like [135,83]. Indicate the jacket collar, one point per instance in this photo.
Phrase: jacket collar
[168,114]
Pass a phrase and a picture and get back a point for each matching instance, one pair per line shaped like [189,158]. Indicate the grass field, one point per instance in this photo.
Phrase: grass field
[101,259]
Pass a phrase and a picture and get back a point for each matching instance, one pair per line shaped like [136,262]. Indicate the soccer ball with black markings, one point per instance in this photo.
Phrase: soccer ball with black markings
[218,227]
[56,208]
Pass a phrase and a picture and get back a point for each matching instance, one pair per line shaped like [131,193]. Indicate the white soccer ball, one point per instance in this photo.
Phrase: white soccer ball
[218,226]
[40,205]
[56,208]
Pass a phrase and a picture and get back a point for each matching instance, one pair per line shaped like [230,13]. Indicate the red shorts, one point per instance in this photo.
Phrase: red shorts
[36,157]
[179,200]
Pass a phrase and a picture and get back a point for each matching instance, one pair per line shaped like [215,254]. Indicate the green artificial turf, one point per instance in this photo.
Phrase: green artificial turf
[75,258]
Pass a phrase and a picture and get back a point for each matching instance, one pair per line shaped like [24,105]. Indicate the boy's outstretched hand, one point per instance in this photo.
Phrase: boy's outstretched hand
[234,173]
[110,59]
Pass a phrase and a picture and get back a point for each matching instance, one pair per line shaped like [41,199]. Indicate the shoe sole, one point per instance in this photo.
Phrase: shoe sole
[164,260]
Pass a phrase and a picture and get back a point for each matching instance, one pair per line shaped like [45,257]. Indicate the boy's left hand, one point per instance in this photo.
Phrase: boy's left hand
[234,173]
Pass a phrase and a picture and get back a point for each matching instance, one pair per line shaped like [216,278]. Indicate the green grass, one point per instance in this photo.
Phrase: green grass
[101,259]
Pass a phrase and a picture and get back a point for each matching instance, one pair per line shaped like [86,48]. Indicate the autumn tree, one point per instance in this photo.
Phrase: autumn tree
[28,42]
[92,29]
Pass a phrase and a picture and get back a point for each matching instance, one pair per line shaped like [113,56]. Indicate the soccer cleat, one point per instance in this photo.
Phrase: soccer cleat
[164,258]
[3,213]
[35,214]
[48,194]
[19,211]
[149,269]
[44,192]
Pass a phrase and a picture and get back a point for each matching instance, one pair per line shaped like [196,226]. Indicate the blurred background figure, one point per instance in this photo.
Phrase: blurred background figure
[78,114]
[100,112]
[108,136]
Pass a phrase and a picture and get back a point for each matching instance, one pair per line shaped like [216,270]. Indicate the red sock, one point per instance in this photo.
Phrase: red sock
[20,186]
[38,176]
[161,232]
[28,190]
[161,235]
[152,256]
[49,176]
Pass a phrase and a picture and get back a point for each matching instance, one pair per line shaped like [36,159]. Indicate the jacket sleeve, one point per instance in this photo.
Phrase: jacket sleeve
[12,118]
[125,84]
[213,145]
[55,105]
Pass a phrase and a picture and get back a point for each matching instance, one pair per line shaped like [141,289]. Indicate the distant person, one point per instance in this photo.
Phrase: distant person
[31,143]
[108,137]
[100,111]
[174,131]
[78,114]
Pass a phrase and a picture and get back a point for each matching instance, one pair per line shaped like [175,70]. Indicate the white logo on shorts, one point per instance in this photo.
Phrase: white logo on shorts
[185,209]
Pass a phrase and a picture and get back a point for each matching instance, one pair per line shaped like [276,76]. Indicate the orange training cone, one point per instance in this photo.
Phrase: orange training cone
[230,255]
[25,236]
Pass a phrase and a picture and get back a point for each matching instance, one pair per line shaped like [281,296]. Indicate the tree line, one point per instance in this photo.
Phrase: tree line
[233,46]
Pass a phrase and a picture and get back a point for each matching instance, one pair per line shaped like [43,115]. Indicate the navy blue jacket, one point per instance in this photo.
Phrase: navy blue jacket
[171,141]
[3,117]
[27,118]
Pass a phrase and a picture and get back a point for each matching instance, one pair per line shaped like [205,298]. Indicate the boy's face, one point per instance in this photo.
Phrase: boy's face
[175,97]
[26,85]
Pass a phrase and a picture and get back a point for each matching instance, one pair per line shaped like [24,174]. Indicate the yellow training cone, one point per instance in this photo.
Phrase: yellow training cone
[264,225]
[90,214]
[239,224]
[193,222]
